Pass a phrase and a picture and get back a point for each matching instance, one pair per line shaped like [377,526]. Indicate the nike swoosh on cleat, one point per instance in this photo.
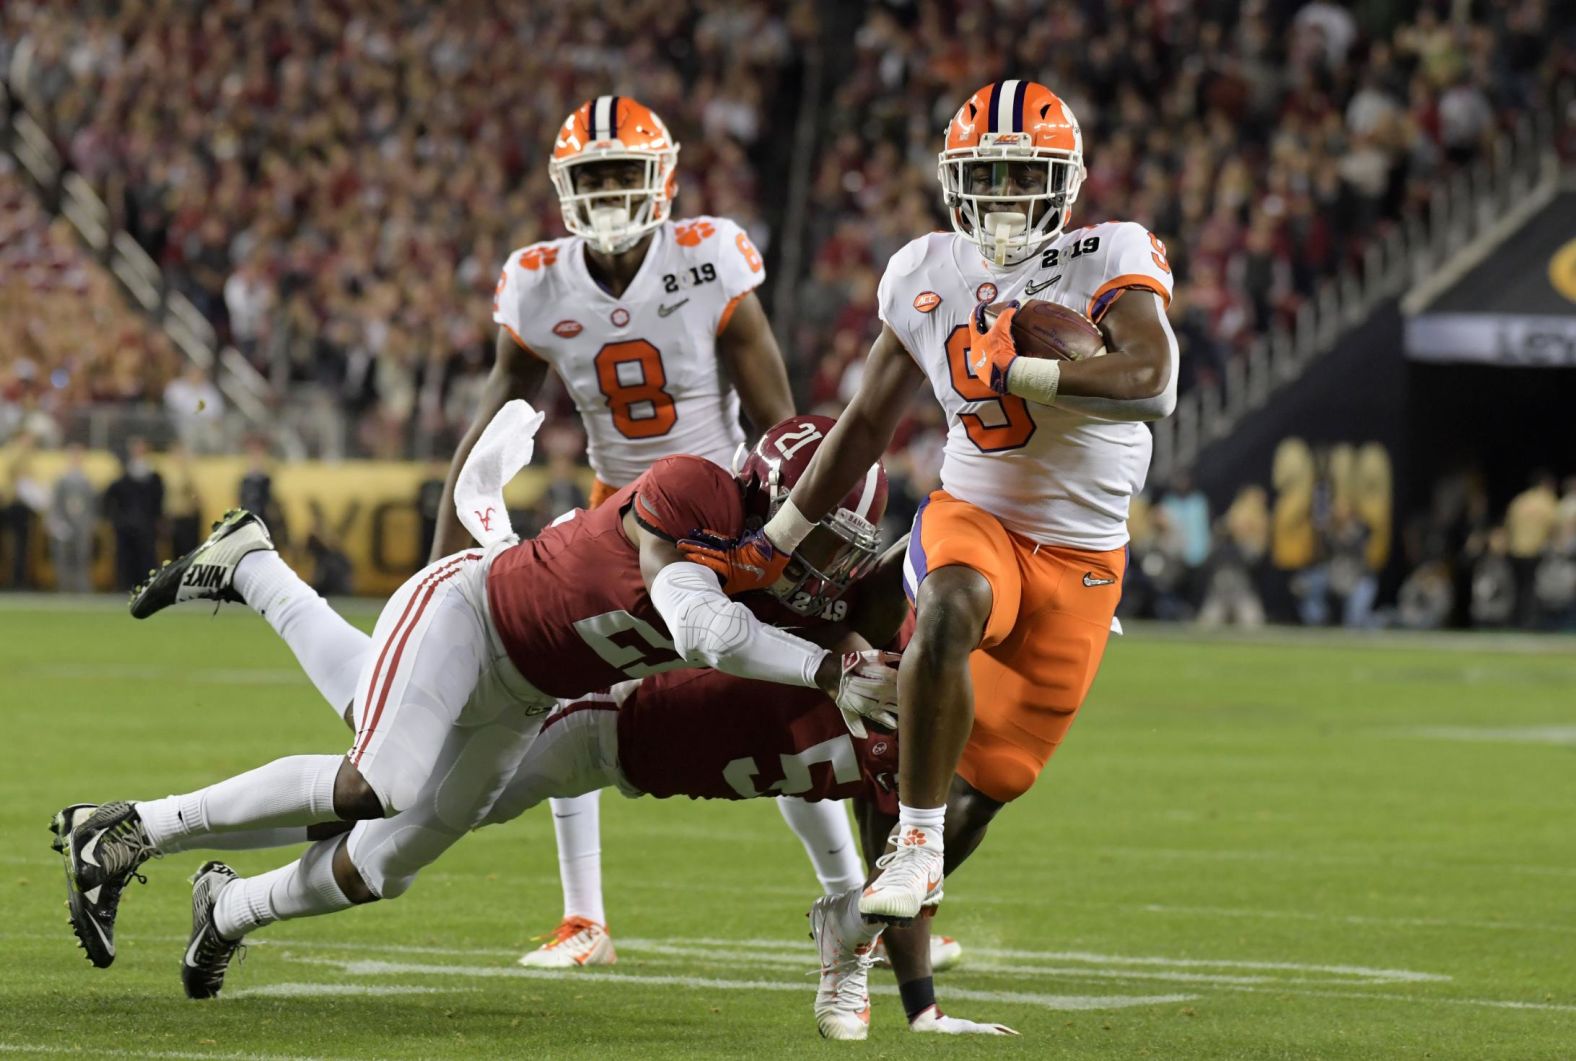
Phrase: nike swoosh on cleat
[191,951]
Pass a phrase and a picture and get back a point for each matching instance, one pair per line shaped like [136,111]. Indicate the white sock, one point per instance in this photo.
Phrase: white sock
[577,822]
[238,840]
[329,649]
[845,910]
[932,820]
[295,790]
[304,888]
[828,839]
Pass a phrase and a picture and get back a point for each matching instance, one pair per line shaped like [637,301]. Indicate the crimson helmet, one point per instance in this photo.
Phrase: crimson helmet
[845,544]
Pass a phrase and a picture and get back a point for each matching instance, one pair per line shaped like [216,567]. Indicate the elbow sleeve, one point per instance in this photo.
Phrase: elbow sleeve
[711,630]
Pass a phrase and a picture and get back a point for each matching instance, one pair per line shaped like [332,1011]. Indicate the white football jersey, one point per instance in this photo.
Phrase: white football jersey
[1050,474]
[642,368]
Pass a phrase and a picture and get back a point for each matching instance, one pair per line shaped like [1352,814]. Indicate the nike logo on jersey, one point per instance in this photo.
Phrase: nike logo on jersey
[1034,289]
[663,311]
[1090,581]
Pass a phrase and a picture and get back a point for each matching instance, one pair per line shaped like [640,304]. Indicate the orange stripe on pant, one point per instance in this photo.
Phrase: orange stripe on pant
[1050,617]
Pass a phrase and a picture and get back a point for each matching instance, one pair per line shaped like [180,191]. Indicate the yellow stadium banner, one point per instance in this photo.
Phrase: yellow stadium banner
[369,509]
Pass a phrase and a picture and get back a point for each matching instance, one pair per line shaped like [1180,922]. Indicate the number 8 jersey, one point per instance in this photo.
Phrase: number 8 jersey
[1048,473]
[642,369]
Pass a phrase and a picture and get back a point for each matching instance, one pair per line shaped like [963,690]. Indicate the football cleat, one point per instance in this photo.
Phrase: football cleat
[208,954]
[574,943]
[842,999]
[909,878]
[208,571]
[945,953]
[102,848]
[932,1020]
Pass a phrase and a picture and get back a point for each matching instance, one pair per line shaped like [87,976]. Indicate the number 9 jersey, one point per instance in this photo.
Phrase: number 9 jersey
[642,368]
[1053,475]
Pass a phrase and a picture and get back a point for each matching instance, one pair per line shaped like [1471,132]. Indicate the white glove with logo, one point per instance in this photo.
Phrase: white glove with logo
[868,689]
[933,1020]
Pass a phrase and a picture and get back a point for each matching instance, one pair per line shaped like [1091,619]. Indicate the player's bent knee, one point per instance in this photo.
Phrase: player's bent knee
[349,878]
[950,614]
[354,798]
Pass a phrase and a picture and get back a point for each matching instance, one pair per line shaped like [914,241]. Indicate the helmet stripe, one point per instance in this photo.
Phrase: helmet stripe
[1005,106]
[599,117]
[612,118]
[1019,123]
[990,106]
[867,497]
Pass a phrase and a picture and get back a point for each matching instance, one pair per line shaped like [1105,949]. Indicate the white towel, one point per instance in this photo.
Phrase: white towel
[504,448]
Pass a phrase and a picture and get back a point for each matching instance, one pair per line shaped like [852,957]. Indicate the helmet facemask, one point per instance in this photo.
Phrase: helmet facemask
[842,549]
[613,219]
[1009,225]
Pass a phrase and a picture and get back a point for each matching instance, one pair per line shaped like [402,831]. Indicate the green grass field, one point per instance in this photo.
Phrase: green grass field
[1283,847]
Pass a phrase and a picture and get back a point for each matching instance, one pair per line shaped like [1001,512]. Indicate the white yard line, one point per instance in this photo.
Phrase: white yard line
[304,990]
[357,967]
[174,1055]
[1564,736]
[1354,919]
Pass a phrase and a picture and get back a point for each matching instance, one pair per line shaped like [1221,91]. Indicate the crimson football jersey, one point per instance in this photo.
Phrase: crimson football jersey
[709,735]
[570,606]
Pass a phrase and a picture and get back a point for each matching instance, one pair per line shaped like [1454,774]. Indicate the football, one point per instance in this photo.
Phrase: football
[1049,329]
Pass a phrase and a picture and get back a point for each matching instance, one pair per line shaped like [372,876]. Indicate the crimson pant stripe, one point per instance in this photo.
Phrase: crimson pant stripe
[370,719]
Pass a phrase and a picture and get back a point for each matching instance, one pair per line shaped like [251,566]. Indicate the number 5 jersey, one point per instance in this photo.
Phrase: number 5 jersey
[642,368]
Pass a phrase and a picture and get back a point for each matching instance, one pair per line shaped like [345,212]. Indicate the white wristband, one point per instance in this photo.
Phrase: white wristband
[788,528]
[1034,379]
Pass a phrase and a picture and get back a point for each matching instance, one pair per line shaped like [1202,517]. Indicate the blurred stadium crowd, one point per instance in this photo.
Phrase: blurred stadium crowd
[334,186]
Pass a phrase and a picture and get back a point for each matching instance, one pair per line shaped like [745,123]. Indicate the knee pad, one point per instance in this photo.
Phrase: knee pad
[389,855]
[998,769]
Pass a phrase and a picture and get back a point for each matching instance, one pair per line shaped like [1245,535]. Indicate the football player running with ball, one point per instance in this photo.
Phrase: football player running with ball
[1015,564]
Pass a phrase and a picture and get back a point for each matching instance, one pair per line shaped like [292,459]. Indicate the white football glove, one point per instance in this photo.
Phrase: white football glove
[931,1019]
[868,689]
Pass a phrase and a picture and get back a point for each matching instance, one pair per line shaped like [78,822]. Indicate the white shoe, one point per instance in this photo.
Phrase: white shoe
[208,571]
[574,943]
[945,953]
[932,1020]
[910,878]
[842,999]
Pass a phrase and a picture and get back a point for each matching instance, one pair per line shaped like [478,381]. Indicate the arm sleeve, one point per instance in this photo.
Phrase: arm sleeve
[710,630]
[680,496]
[1133,258]
[740,267]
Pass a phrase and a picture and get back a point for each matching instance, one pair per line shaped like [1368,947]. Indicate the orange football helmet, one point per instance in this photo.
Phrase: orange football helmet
[1006,123]
[614,129]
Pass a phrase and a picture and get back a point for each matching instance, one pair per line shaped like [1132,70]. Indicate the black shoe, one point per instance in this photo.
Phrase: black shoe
[208,571]
[102,848]
[208,954]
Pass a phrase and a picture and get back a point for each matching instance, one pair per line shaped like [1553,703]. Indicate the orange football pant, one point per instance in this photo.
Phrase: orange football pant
[600,492]
[1050,617]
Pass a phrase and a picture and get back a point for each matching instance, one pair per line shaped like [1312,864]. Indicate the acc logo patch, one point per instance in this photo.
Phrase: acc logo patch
[986,292]
[568,329]
[1562,270]
[926,301]
[619,317]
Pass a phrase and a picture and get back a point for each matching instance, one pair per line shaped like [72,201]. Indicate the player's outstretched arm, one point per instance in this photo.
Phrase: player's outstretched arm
[753,361]
[516,373]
